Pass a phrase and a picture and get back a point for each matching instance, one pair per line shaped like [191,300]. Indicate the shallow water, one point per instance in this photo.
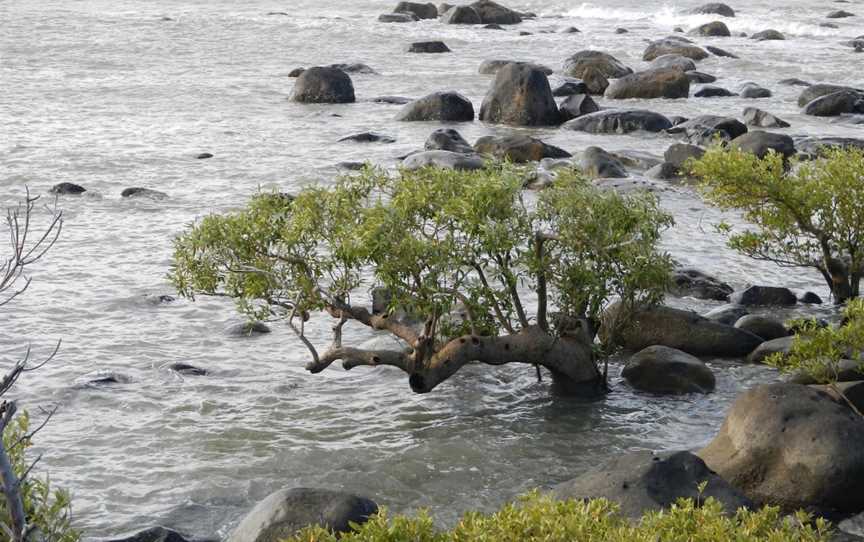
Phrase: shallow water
[108,95]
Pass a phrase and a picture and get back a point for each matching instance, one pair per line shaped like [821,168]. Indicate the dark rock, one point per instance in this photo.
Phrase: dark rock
[351,166]
[838,103]
[461,15]
[439,106]
[323,85]
[709,91]
[491,67]
[153,534]
[187,370]
[839,14]
[517,148]
[794,82]
[703,130]
[448,139]
[714,8]
[492,13]
[619,121]
[570,30]
[781,345]
[817,91]
[429,47]
[245,329]
[444,160]
[393,100]
[595,81]
[669,46]
[576,106]
[694,283]
[493,27]
[656,83]
[621,31]
[765,296]
[296,72]
[791,446]
[101,378]
[67,189]
[421,11]
[753,91]
[763,326]
[520,95]
[762,119]
[727,314]
[716,51]
[397,18]
[659,369]
[761,143]
[368,137]
[643,482]
[699,77]
[674,61]
[285,512]
[138,192]
[597,163]
[204,156]
[570,88]
[810,298]
[715,28]
[767,35]
[606,64]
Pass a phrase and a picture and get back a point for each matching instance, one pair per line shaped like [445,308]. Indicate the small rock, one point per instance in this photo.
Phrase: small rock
[246,329]
[621,31]
[714,8]
[669,46]
[765,296]
[187,370]
[839,14]
[153,534]
[838,103]
[517,148]
[619,121]
[699,77]
[397,18]
[368,137]
[323,85]
[793,82]
[655,83]
[709,91]
[767,35]
[727,314]
[762,119]
[782,345]
[761,143]
[204,156]
[421,11]
[674,61]
[443,159]
[810,298]
[715,29]
[754,91]
[428,47]
[461,15]
[393,100]
[570,88]
[576,106]
[137,192]
[596,163]
[67,189]
[491,67]
[606,64]
[688,281]
[448,139]
[716,51]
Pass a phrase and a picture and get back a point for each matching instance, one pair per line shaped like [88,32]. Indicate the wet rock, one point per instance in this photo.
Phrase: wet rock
[493,13]
[669,46]
[791,446]
[570,88]
[709,91]
[491,67]
[444,160]
[810,298]
[421,11]
[703,130]
[655,83]
[138,192]
[608,66]
[323,85]
[761,143]
[643,482]
[699,77]
[246,329]
[517,148]
[393,100]
[682,330]
[754,91]
[659,369]
[839,14]
[619,121]
[781,345]
[715,29]
[762,119]
[153,534]
[763,326]
[368,137]
[187,370]
[104,378]
[461,15]
[838,103]
[674,61]
[520,95]
[204,156]
[765,296]
[570,30]
[767,35]
[793,82]
[66,189]
[621,31]
[397,18]
[439,106]
[727,314]
[448,139]
[597,163]
[428,47]
[691,282]
[285,512]
[576,106]
[714,8]
[817,91]
[716,51]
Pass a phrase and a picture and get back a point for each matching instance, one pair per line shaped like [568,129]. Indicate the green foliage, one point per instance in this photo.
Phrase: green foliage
[49,510]
[807,214]
[539,518]
[433,238]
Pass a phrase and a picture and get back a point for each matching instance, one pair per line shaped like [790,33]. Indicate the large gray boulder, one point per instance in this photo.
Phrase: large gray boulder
[284,512]
[644,481]
[520,95]
[655,83]
[619,121]
[660,369]
[438,106]
[443,160]
[680,329]
[493,13]
[606,64]
[596,163]
[761,143]
[669,46]
[421,11]
[323,85]
[794,447]
[843,102]
[518,148]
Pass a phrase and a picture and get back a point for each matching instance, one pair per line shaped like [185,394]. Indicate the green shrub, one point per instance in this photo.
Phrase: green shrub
[538,517]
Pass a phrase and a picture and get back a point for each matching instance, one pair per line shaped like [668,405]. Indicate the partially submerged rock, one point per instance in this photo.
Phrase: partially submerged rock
[597,163]
[619,121]
[323,85]
[448,139]
[764,326]
[606,64]
[518,148]
[669,46]
[765,295]
[655,83]
[520,95]
[443,159]
[438,106]
[660,369]
[687,281]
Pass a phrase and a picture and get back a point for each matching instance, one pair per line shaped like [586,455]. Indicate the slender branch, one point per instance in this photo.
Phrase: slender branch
[542,296]
[505,322]
[510,280]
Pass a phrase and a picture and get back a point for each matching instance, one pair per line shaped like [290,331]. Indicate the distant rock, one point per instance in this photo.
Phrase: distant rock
[246,329]
[421,11]
[762,119]
[817,91]
[67,189]
[438,106]
[368,137]
[761,143]
[691,282]
[781,345]
[517,148]
[710,91]
[793,82]
[839,14]
[606,64]
[716,51]
[187,370]
[654,83]
[491,67]
[570,88]
[715,8]
[727,314]
[619,121]
[764,326]
[754,91]
[204,156]
[138,192]
[704,129]
[715,29]
[393,100]
[494,13]
[768,35]
[810,298]
[765,296]
[699,78]
[397,18]
[669,46]
[576,106]
[674,61]
[428,47]
[596,163]
[461,15]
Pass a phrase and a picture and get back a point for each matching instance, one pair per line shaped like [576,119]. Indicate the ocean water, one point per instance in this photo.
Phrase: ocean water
[110,94]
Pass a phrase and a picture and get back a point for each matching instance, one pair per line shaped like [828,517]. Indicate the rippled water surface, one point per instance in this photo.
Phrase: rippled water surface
[109,95]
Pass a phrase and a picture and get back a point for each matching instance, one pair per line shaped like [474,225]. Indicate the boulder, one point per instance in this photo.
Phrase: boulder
[619,121]
[699,78]
[703,130]
[285,512]
[438,106]
[643,482]
[727,314]
[397,18]
[444,160]
[792,446]
[138,192]
[595,81]
[817,91]
[428,47]
[810,298]
[674,61]
[762,119]
[838,103]
[767,35]
[660,369]
[153,534]
[761,143]
[187,370]
[323,85]
[246,329]
[754,91]
[461,15]
[517,148]
[709,91]
[669,46]
[520,95]
[765,296]
[492,13]
[606,64]
[780,345]
[448,139]
[491,67]
[576,106]
[687,281]
[655,83]
[621,31]
[368,137]
[597,163]
[391,100]
[716,51]
[839,14]
[67,189]
[714,8]
[421,11]
[764,326]
[682,330]
[570,88]
[715,29]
